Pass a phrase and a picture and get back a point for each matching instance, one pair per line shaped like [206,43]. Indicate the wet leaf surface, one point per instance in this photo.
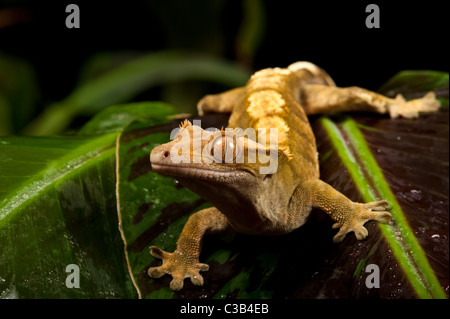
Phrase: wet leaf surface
[57,208]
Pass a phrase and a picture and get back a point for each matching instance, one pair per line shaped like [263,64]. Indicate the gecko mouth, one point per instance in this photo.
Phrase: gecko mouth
[196,172]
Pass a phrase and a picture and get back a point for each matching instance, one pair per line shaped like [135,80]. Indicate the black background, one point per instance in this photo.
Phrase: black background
[330,34]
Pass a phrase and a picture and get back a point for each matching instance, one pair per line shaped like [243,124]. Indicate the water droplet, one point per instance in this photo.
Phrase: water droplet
[399,138]
[436,236]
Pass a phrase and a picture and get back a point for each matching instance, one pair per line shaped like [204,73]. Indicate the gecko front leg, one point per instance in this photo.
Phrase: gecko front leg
[220,103]
[184,261]
[348,215]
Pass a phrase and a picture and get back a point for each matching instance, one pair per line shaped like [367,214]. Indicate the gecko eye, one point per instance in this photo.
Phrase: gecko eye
[224,149]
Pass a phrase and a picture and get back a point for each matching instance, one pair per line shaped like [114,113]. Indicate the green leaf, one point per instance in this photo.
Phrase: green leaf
[251,31]
[103,62]
[18,94]
[128,79]
[115,118]
[414,84]
[57,208]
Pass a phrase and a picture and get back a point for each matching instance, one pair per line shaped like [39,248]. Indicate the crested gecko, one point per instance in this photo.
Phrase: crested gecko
[227,167]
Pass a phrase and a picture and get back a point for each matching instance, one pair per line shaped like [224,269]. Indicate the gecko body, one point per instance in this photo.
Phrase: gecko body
[229,168]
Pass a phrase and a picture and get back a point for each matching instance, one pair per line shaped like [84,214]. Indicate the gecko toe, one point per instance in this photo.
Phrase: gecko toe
[379,205]
[159,253]
[156,272]
[336,225]
[430,103]
[338,238]
[202,267]
[176,284]
[384,217]
[361,232]
[197,279]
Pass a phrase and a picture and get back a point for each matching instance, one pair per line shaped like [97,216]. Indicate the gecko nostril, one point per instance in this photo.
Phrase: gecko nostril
[166,154]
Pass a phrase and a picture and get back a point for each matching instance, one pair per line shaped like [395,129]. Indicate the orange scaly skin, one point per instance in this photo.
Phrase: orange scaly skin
[242,196]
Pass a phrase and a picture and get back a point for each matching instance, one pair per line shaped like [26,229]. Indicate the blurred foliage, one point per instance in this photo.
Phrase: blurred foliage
[122,83]
[192,59]
[18,93]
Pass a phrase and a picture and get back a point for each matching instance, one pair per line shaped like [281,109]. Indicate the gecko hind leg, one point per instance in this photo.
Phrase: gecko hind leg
[318,99]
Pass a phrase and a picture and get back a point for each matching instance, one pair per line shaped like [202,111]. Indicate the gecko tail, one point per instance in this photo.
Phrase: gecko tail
[319,75]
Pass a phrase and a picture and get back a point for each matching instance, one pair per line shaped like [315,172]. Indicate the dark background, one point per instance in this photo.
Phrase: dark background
[330,34]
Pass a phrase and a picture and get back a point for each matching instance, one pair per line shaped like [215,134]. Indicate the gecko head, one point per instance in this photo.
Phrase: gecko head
[217,161]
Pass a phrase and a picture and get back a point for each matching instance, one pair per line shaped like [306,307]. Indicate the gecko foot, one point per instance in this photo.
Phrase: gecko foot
[361,214]
[179,265]
[411,109]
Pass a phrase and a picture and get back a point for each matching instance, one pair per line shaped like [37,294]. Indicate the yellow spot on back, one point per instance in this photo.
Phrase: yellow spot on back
[283,130]
[265,103]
